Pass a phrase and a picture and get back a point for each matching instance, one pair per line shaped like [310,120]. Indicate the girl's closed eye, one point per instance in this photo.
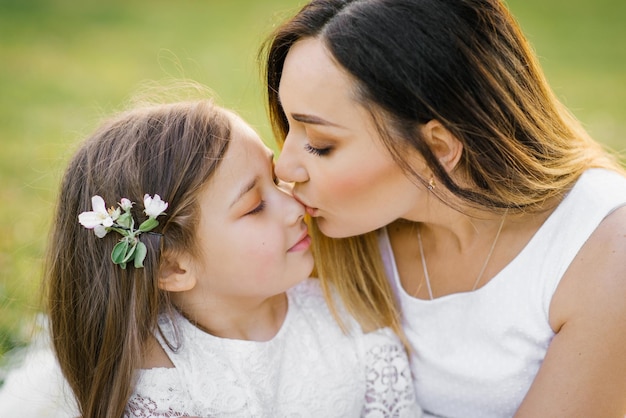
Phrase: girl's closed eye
[257,209]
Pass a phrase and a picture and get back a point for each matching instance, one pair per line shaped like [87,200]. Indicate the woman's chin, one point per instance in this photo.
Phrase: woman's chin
[338,229]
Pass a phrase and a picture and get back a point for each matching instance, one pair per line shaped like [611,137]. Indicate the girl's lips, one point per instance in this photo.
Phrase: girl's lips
[302,245]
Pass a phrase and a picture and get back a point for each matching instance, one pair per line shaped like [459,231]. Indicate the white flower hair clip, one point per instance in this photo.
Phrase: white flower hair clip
[103,220]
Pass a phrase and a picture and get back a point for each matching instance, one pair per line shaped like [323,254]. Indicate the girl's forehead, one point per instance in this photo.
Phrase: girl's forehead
[245,146]
[239,127]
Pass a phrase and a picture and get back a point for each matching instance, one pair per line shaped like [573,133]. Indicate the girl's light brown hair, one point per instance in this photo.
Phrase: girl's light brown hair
[464,63]
[101,315]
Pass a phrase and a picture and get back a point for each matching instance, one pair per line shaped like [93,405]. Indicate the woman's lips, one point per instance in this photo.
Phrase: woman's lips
[310,210]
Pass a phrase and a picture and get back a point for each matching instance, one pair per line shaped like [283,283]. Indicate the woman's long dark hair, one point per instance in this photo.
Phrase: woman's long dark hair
[464,63]
[102,315]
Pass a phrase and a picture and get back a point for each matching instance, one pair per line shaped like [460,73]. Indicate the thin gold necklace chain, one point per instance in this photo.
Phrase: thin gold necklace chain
[482,270]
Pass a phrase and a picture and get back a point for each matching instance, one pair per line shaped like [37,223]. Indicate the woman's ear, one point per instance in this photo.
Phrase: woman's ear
[446,147]
[176,274]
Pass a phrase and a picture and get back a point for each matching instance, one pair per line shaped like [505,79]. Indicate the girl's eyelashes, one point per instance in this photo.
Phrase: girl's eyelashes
[261,206]
[258,209]
[320,152]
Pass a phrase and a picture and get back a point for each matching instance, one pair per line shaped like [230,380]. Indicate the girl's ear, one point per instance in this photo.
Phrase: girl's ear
[176,274]
[446,147]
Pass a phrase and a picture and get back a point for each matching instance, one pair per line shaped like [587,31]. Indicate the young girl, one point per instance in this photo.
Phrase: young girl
[190,296]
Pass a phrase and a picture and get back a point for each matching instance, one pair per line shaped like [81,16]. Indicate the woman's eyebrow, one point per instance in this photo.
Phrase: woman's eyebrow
[313,120]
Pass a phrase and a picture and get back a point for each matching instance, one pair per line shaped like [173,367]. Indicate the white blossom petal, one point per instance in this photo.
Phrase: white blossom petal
[154,206]
[107,221]
[89,219]
[147,200]
[100,231]
[99,215]
[98,205]
[125,204]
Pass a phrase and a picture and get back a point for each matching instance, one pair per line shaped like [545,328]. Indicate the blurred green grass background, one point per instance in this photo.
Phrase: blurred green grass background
[65,64]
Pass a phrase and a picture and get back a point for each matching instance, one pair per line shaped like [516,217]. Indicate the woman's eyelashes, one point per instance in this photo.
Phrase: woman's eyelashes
[317,151]
[320,152]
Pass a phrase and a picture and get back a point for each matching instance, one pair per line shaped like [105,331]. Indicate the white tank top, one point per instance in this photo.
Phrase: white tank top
[477,353]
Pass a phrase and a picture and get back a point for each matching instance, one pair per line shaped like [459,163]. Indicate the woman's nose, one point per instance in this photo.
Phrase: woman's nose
[289,166]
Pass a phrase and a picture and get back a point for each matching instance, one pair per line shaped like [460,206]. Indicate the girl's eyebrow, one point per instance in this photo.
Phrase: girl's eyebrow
[251,184]
[245,189]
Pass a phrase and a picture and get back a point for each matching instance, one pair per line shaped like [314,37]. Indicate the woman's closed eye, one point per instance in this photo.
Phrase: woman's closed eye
[320,152]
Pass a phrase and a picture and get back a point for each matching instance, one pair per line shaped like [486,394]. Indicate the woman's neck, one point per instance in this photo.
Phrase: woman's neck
[250,320]
[461,226]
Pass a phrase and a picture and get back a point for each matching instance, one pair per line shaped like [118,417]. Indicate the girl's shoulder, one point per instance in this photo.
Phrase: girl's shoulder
[309,301]
[309,296]
[310,288]
[158,390]
[155,356]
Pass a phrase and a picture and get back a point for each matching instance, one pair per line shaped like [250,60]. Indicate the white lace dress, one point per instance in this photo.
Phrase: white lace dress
[309,369]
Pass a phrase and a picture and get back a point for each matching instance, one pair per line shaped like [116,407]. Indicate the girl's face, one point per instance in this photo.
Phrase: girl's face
[251,235]
[342,172]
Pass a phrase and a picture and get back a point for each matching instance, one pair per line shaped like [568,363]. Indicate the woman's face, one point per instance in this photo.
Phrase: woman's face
[333,154]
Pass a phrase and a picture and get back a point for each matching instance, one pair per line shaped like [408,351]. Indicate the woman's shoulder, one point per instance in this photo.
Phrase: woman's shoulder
[604,252]
[603,183]
[595,197]
[595,280]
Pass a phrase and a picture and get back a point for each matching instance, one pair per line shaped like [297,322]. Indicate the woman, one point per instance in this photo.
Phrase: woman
[427,146]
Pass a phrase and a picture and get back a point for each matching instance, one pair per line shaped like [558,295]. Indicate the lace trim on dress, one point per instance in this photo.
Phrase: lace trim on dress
[138,406]
[389,387]
[167,397]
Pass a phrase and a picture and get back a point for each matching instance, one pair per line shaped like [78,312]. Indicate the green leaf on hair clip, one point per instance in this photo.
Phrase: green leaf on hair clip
[119,251]
[140,254]
[130,252]
[125,220]
[148,225]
